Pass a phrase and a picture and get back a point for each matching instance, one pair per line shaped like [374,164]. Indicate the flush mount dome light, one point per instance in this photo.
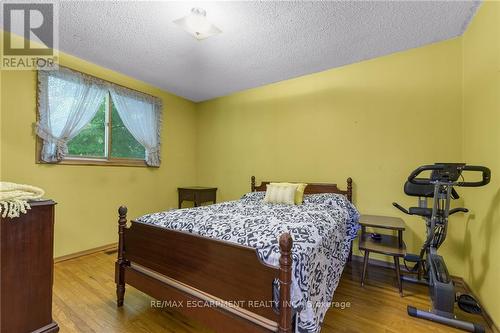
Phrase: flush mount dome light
[197,25]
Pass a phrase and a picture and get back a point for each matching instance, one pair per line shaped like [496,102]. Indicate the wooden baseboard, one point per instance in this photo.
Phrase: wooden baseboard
[107,247]
[456,280]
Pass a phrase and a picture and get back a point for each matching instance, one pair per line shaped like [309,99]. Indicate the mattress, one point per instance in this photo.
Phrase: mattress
[322,229]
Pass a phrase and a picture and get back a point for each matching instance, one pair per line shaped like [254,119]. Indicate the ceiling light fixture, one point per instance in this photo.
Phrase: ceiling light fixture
[197,25]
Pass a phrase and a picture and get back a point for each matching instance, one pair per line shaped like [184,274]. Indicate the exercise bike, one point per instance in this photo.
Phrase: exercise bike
[430,267]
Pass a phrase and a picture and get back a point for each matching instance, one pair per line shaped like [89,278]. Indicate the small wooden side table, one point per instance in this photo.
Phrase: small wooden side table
[389,245]
[197,194]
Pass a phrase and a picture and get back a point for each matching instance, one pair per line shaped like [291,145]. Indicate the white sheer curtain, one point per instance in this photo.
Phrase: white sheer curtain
[67,101]
[141,115]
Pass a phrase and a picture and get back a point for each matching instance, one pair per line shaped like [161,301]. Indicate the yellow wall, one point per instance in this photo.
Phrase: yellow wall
[374,121]
[88,196]
[481,71]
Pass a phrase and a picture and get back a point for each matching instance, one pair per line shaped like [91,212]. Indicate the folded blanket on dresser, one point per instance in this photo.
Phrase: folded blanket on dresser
[14,198]
[322,229]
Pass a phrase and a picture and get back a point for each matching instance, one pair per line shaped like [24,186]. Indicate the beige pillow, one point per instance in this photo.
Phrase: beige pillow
[299,194]
[281,194]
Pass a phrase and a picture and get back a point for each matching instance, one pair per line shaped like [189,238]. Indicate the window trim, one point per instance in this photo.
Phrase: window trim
[90,161]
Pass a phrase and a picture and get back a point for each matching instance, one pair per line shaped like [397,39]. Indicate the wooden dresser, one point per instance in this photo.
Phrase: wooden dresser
[26,263]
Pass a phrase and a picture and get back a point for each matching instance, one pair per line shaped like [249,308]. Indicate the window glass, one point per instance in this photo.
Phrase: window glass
[91,141]
[123,144]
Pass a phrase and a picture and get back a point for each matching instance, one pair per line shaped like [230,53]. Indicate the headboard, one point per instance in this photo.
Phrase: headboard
[312,188]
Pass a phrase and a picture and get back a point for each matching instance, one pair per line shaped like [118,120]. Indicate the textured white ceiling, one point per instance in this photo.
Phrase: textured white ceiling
[261,42]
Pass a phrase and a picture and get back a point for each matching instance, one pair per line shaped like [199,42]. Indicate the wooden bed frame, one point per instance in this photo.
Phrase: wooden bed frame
[221,284]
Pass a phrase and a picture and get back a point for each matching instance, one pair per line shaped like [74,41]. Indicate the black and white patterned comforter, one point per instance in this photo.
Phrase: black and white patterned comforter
[322,229]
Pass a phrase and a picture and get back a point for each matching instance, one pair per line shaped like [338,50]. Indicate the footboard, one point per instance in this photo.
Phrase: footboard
[220,283]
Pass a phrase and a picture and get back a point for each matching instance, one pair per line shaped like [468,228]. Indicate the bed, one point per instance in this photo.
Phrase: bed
[225,266]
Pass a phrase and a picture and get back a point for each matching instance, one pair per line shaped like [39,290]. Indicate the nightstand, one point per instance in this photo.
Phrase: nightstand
[197,194]
[393,246]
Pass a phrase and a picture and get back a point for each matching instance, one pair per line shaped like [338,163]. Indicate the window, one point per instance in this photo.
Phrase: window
[85,120]
[105,137]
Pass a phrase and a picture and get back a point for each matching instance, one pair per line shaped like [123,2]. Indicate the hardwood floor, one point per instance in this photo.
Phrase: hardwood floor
[84,301]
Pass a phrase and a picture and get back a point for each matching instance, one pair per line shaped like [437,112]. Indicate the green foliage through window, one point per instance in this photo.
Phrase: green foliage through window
[91,141]
[123,144]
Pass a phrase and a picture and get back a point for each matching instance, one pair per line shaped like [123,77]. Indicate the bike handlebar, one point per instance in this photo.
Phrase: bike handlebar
[486,174]
[401,208]
[412,178]
[458,210]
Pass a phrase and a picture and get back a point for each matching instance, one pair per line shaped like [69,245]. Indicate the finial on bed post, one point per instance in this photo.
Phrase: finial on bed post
[285,279]
[349,189]
[119,267]
[252,182]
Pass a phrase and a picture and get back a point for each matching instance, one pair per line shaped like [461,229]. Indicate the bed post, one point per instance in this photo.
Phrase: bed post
[252,183]
[349,189]
[349,197]
[285,279]
[120,263]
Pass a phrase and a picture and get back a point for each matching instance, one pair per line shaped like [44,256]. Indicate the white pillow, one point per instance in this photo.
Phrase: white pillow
[281,194]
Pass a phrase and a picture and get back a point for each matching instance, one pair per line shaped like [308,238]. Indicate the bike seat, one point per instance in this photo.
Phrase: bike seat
[426,212]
